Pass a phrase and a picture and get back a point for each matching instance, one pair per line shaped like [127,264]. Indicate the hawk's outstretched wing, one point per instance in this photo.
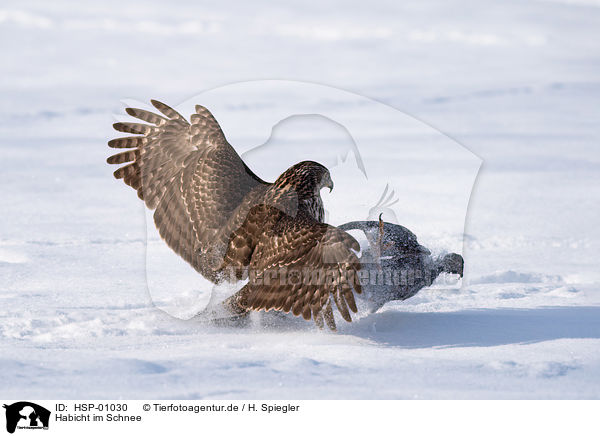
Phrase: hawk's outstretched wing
[298,265]
[187,172]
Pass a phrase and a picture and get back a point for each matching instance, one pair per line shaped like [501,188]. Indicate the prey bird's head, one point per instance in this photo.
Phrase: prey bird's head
[453,264]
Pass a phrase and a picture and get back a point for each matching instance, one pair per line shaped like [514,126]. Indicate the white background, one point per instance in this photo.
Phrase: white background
[515,82]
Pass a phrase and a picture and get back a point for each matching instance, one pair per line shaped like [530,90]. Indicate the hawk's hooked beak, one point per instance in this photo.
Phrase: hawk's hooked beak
[329,185]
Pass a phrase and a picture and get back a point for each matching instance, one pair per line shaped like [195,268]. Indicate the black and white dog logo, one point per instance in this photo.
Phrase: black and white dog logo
[26,415]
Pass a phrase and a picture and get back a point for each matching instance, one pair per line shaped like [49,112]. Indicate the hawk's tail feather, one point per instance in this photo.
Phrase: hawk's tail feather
[307,312]
[340,302]
[144,115]
[349,296]
[128,142]
[126,156]
[297,308]
[128,171]
[318,317]
[168,111]
[287,306]
[328,315]
[135,128]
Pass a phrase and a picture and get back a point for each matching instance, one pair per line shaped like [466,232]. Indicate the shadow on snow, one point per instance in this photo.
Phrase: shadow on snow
[477,328]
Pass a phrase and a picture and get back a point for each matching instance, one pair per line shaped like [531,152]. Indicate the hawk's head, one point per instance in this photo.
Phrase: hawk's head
[307,178]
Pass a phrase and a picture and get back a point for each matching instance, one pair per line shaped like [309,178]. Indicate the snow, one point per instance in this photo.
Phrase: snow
[513,85]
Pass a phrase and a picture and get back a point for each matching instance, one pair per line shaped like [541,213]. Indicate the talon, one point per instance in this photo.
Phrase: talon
[380,237]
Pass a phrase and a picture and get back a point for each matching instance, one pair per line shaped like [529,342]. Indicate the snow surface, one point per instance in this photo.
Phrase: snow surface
[514,82]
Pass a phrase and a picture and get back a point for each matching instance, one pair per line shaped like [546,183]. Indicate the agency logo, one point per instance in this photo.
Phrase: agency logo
[26,415]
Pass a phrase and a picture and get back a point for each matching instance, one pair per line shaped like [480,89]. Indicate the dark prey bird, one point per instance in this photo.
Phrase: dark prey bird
[395,264]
